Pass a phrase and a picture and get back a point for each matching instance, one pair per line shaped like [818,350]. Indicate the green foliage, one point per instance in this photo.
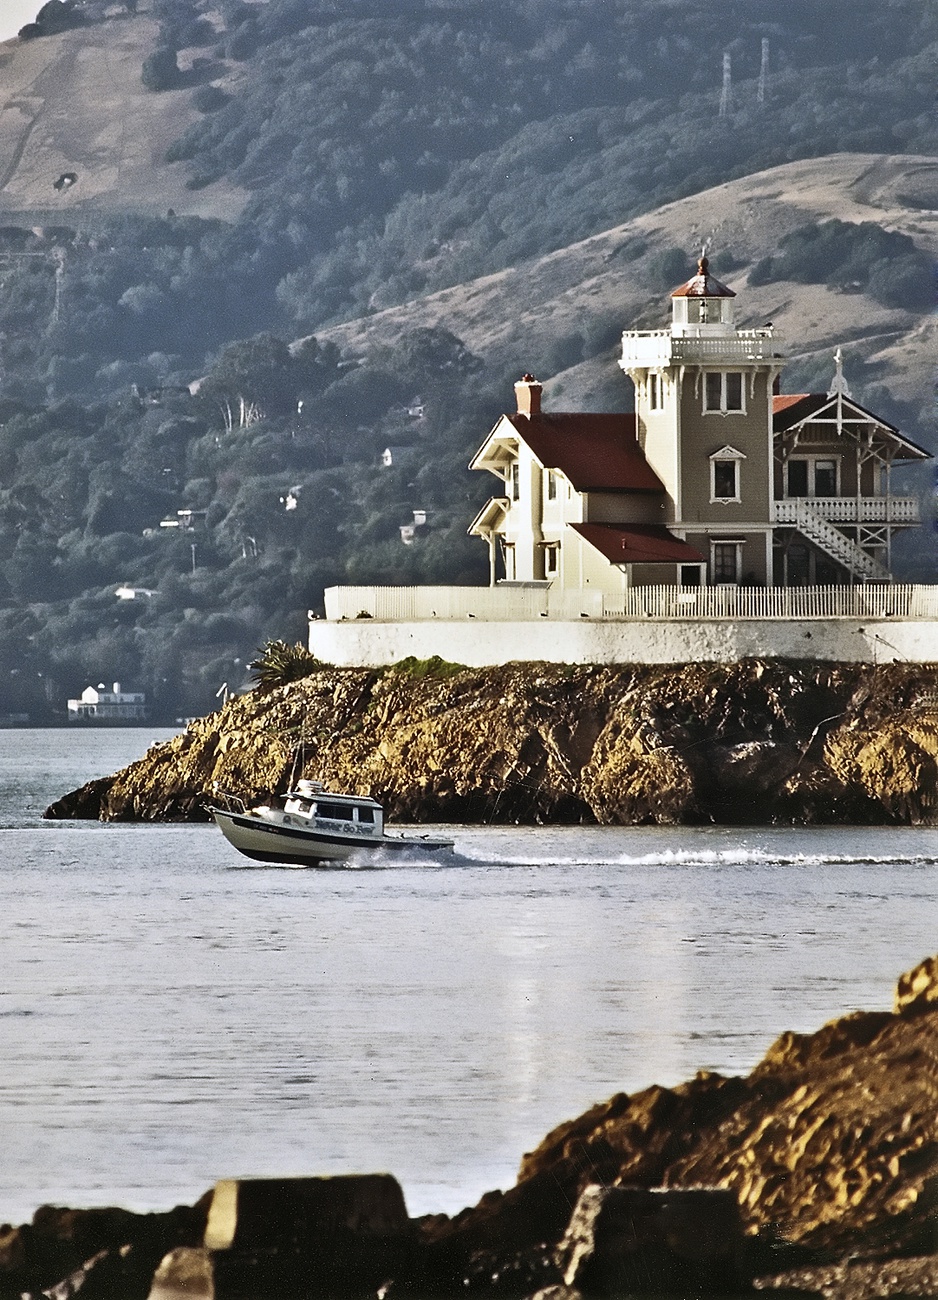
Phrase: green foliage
[279,663]
[671,267]
[435,668]
[853,256]
[160,69]
[57,16]
[209,99]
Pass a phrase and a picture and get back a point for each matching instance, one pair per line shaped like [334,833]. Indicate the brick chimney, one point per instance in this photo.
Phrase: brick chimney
[528,395]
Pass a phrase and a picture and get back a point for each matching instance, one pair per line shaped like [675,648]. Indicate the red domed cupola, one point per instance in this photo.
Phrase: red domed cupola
[703,305]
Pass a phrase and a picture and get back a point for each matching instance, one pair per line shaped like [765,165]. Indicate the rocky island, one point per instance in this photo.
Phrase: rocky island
[754,742]
[815,1175]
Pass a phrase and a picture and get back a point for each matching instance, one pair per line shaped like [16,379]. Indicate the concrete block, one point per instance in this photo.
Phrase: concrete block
[629,1241]
[265,1212]
[277,1237]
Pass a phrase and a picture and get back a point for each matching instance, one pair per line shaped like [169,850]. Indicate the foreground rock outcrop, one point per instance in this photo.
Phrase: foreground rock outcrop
[752,742]
[816,1175]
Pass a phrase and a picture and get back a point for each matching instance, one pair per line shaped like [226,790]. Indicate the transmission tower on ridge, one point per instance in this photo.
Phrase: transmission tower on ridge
[727,84]
[59,258]
[763,70]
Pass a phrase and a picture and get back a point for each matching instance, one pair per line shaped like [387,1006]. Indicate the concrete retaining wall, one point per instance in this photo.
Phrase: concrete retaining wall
[359,643]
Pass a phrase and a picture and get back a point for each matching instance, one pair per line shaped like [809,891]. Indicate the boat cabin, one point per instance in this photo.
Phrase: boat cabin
[312,802]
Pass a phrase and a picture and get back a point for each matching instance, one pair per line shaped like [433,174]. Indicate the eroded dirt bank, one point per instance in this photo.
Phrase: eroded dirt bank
[753,742]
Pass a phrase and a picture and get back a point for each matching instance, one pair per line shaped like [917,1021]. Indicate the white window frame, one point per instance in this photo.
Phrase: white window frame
[736,542]
[551,489]
[513,478]
[551,559]
[723,409]
[655,391]
[722,456]
[811,461]
[702,575]
[510,560]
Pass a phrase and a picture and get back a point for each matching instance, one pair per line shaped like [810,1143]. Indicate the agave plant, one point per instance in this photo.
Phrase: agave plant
[279,663]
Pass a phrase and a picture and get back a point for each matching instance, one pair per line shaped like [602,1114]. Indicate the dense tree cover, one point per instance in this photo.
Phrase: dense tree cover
[54,16]
[388,147]
[276,458]
[379,181]
[854,257]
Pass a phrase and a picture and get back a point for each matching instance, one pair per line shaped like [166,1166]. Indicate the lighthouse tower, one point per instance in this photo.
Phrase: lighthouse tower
[703,402]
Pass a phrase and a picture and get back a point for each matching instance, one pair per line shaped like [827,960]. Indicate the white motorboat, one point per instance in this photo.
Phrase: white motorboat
[312,825]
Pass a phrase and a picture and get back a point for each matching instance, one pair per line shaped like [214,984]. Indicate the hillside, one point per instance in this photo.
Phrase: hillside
[74,102]
[436,198]
[615,277]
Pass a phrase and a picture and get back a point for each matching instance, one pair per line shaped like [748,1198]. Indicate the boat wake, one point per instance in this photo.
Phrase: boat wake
[692,857]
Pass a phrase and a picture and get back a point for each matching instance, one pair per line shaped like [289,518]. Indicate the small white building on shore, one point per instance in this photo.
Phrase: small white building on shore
[112,707]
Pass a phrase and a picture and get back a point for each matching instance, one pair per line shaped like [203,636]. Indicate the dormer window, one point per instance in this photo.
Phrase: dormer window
[723,392]
[725,475]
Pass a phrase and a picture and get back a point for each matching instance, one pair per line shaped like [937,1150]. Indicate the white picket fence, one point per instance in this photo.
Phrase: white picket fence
[538,601]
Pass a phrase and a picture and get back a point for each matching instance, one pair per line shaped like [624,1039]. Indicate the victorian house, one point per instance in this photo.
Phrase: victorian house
[718,478]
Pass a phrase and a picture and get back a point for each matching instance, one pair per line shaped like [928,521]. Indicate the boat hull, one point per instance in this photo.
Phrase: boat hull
[266,840]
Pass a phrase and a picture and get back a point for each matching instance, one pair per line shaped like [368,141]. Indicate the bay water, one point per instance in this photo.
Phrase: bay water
[171,1014]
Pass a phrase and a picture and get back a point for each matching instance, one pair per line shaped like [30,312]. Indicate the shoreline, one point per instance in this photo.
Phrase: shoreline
[815,1174]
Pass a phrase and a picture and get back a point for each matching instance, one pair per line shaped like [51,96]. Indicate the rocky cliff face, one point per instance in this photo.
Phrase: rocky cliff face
[753,742]
[829,1146]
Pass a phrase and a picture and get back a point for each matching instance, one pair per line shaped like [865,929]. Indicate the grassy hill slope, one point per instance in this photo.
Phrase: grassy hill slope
[542,311]
[74,102]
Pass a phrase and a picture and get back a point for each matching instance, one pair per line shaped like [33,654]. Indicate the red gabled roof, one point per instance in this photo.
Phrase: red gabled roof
[782,401]
[596,453]
[638,544]
[791,408]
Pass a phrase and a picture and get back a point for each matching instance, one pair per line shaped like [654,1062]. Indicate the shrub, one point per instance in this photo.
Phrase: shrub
[279,663]
[435,668]
[908,282]
[207,99]
[160,70]
[670,267]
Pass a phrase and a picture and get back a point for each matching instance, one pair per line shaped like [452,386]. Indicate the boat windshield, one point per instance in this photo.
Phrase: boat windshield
[336,811]
[345,812]
[329,810]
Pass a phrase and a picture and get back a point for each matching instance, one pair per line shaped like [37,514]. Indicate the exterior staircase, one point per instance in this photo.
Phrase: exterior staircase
[836,544]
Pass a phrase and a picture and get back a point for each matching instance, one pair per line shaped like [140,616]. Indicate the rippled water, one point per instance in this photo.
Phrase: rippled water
[170,1014]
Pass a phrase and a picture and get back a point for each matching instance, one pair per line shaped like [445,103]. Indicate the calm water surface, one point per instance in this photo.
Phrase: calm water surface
[170,1015]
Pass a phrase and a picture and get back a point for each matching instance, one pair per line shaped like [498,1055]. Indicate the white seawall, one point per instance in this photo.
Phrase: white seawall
[358,643]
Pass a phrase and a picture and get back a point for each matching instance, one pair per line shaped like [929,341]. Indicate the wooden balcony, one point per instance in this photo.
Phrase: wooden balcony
[852,510]
[654,348]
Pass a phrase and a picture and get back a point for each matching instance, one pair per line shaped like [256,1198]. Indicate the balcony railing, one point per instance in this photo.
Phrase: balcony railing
[850,510]
[660,347]
[520,604]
